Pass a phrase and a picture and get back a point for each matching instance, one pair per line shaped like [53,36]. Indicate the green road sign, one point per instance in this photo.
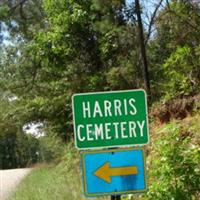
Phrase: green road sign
[110,119]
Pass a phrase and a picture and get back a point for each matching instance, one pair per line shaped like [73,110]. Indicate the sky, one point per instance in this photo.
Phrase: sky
[6,34]
[34,129]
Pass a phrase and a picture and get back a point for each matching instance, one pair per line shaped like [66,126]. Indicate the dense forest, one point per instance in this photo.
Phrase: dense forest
[52,49]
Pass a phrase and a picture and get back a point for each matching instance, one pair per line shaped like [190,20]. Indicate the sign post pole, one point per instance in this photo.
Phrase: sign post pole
[115,197]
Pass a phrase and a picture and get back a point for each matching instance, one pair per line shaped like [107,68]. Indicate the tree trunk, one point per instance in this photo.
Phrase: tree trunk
[142,48]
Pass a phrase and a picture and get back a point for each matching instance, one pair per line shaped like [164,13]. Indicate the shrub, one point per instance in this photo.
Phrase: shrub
[173,164]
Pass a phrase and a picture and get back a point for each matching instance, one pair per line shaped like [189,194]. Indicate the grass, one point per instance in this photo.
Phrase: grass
[43,184]
[54,182]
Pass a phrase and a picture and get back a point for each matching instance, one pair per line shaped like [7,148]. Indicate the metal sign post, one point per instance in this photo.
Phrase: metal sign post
[118,197]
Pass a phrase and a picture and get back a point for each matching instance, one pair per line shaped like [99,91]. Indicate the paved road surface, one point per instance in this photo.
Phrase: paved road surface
[9,179]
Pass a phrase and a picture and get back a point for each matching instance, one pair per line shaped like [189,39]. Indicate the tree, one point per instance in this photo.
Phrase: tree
[142,47]
[177,29]
[21,16]
[16,148]
[81,45]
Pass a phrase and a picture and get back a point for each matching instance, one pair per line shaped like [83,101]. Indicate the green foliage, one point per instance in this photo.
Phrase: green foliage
[76,51]
[16,148]
[177,33]
[21,150]
[51,148]
[181,72]
[3,12]
[173,163]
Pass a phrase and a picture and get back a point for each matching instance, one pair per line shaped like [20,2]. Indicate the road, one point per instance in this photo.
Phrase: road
[9,179]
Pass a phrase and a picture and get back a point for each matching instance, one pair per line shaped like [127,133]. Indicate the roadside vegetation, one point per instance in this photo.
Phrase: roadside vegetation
[54,181]
[50,50]
[173,168]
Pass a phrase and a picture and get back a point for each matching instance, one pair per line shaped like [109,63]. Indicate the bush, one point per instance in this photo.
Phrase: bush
[173,163]
[182,72]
